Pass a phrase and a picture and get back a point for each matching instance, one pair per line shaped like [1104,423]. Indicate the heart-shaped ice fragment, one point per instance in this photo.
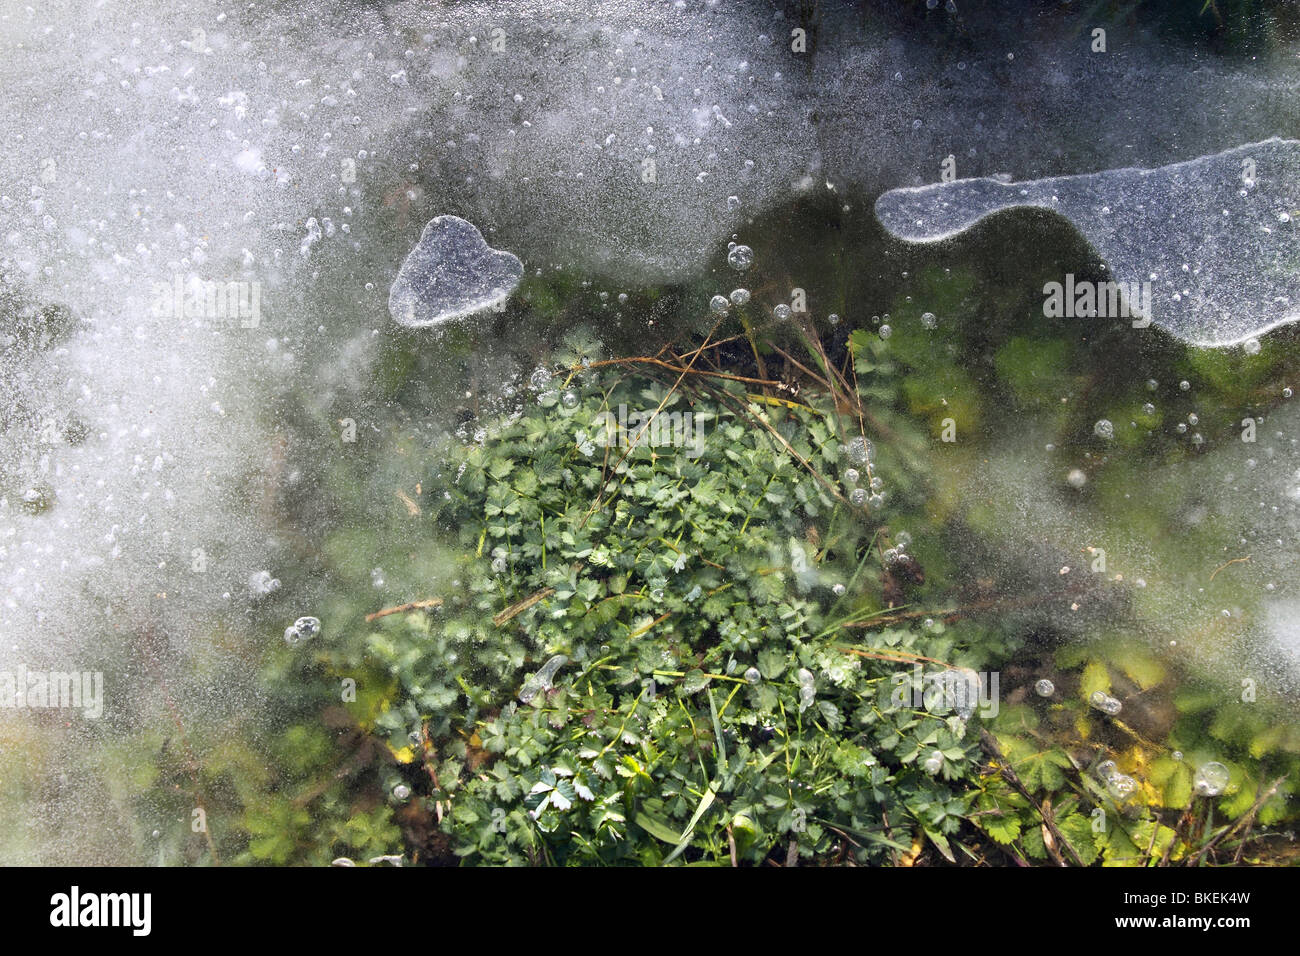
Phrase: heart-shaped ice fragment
[452,272]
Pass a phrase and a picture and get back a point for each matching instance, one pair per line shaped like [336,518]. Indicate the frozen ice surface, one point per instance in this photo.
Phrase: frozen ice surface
[1215,237]
[451,273]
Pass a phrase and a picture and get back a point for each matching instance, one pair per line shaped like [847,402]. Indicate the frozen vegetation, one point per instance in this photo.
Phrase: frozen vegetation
[246,250]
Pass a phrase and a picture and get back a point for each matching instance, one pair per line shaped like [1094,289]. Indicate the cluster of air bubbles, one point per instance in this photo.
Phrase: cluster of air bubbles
[1211,779]
[859,450]
[1119,785]
[807,689]
[933,763]
[1044,688]
[302,629]
[261,583]
[740,258]
[928,320]
[898,553]
[752,675]
[1104,702]
[739,296]
[719,304]
[1104,429]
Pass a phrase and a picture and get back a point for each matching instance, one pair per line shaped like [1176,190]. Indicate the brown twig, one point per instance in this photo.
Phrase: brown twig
[401,608]
[515,610]
[1233,561]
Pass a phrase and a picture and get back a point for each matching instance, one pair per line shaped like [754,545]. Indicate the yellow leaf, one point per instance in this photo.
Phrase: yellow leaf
[1095,678]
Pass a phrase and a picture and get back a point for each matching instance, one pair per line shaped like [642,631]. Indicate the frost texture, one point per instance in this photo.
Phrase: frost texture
[1216,237]
[451,273]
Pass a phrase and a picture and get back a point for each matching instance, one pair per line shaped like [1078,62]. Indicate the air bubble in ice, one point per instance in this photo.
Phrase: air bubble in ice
[1104,702]
[1044,688]
[261,583]
[1121,786]
[740,258]
[739,296]
[543,680]
[1104,429]
[1211,779]
[781,312]
[807,689]
[718,304]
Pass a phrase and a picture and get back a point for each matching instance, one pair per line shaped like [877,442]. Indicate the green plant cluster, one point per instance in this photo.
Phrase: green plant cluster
[702,700]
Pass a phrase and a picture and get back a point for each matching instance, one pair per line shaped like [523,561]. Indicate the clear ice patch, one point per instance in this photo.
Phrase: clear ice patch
[451,273]
[1215,236]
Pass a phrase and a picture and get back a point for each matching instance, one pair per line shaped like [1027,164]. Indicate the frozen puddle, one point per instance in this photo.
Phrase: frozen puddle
[1215,237]
[452,272]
